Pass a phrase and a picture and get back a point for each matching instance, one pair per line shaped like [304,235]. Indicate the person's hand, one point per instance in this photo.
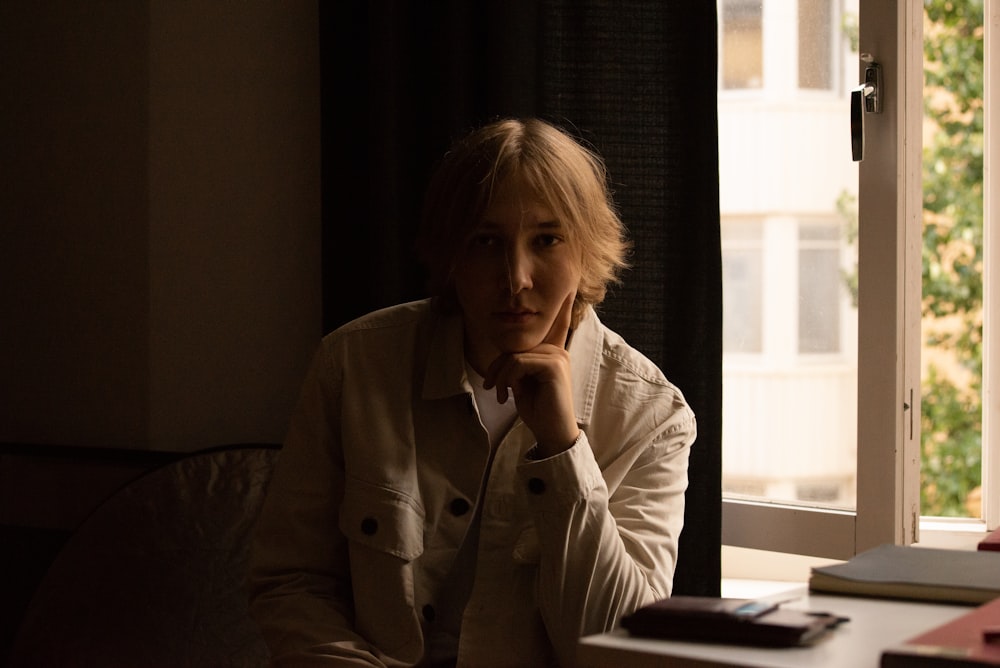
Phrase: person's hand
[541,382]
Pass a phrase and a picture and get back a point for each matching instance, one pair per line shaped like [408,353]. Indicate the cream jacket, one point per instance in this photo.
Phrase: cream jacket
[385,464]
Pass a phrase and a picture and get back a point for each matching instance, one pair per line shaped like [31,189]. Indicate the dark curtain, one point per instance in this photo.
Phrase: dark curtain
[635,79]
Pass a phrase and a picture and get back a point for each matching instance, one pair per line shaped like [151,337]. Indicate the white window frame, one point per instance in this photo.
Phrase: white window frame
[890,220]
[991,271]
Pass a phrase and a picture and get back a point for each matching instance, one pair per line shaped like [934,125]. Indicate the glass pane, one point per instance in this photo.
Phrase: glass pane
[952,355]
[815,44]
[741,44]
[819,300]
[787,187]
[742,281]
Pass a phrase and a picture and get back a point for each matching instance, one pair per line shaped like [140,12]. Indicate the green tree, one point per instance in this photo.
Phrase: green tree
[951,423]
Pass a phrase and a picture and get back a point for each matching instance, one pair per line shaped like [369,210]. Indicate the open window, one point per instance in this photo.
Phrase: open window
[823,271]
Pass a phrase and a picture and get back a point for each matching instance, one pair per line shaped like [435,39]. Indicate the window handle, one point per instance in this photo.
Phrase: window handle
[865,99]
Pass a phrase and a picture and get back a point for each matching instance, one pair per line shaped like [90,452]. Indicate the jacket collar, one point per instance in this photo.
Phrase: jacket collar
[445,374]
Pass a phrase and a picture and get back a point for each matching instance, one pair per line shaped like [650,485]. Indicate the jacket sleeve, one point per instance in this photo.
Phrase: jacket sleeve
[604,554]
[299,581]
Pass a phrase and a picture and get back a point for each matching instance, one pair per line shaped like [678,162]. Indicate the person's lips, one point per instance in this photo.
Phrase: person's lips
[516,316]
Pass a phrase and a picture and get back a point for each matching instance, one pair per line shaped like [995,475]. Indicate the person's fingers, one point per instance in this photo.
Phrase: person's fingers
[510,368]
[492,377]
[559,331]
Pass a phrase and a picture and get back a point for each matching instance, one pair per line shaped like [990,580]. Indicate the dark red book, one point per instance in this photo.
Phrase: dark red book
[970,640]
[991,542]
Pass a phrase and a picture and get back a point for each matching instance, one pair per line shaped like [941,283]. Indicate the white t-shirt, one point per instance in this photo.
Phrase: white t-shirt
[497,419]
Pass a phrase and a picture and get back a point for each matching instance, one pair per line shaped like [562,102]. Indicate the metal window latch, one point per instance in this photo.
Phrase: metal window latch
[865,99]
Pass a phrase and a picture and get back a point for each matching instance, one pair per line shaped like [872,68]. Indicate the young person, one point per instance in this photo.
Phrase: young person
[483,477]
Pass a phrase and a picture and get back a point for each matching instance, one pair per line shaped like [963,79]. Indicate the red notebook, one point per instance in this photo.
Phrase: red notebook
[970,640]
[991,542]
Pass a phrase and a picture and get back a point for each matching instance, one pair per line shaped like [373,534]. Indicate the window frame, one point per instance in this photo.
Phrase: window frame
[890,221]
[991,267]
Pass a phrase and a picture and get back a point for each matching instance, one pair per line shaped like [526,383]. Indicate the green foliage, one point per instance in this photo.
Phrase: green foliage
[951,441]
[847,207]
[952,458]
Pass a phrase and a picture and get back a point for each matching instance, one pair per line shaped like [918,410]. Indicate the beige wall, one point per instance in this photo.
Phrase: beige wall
[159,220]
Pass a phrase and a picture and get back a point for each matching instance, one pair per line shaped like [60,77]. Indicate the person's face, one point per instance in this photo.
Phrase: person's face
[516,273]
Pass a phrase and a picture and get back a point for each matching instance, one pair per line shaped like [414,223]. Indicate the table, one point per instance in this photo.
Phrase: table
[874,625]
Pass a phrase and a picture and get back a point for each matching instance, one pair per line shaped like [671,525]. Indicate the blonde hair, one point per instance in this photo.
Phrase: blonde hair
[567,177]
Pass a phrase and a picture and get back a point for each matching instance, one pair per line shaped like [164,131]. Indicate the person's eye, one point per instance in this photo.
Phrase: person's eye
[548,240]
[484,240]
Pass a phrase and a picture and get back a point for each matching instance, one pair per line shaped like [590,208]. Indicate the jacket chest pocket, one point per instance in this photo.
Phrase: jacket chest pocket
[385,534]
[382,519]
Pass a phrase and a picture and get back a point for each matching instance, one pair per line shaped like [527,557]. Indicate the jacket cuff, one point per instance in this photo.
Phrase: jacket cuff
[561,479]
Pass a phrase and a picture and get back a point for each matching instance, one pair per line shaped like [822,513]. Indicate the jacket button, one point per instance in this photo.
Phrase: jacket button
[429,613]
[369,526]
[458,507]
[536,485]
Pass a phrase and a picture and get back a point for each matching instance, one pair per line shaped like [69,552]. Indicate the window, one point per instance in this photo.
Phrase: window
[789,384]
[857,296]
[741,44]
[742,285]
[814,262]
[790,320]
[816,39]
[953,296]
[821,287]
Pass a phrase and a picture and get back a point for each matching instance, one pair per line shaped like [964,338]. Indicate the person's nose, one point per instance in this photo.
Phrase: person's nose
[518,265]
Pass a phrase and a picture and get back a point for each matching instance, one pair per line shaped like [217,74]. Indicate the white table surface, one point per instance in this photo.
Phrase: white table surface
[874,625]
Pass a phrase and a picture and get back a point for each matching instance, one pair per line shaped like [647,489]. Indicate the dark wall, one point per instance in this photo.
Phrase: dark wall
[159,248]
[159,252]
